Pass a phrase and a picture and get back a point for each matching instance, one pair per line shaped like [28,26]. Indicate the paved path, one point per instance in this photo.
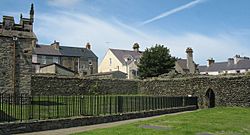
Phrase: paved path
[67,131]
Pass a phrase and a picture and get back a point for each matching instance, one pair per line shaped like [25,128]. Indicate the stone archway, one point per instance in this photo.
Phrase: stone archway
[210,98]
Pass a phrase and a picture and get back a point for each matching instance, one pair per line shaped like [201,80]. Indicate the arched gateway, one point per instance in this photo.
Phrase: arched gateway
[210,98]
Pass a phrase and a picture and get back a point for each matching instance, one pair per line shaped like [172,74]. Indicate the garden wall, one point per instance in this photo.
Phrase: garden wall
[229,91]
[54,85]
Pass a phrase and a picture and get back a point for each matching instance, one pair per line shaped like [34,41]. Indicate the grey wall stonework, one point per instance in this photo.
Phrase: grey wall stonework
[229,91]
[54,85]
[22,61]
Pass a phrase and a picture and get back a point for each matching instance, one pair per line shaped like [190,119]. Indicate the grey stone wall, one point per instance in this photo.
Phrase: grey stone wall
[55,85]
[6,60]
[229,91]
[20,74]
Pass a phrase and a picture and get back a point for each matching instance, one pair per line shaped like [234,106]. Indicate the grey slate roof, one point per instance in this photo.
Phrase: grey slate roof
[120,54]
[223,66]
[64,51]
[202,68]
[182,63]
[58,65]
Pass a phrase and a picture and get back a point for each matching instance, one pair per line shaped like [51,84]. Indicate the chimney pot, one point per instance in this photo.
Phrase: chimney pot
[88,46]
[56,45]
[230,61]
[210,62]
[136,47]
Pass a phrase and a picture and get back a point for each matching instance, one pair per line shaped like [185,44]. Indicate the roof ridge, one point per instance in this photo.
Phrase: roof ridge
[63,46]
[121,49]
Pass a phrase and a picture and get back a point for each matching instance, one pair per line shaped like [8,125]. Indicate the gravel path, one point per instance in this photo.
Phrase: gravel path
[67,131]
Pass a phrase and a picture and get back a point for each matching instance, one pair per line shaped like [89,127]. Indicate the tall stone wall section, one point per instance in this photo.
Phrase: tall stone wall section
[6,60]
[15,67]
[53,85]
[229,91]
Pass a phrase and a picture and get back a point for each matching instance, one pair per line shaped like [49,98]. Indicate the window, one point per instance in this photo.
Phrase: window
[43,61]
[55,60]
[90,62]
[34,58]
[110,61]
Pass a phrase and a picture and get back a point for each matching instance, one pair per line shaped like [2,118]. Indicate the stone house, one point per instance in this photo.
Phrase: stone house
[186,66]
[56,69]
[80,60]
[122,60]
[234,65]
[16,41]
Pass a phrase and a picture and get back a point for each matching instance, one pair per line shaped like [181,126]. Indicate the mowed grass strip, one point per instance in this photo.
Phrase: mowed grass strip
[217,121]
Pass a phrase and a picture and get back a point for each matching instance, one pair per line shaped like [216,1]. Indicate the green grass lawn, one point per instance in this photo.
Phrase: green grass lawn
[218,121]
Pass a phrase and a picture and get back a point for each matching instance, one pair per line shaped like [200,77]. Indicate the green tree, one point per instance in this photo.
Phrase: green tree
[156,61]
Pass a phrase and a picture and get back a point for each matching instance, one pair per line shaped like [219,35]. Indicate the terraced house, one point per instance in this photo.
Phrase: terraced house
[76,59]
[234,65]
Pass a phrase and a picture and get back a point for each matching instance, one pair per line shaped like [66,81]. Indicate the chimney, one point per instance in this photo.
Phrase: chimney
[88,46]
[56,45]
[237,58]
[136,47]
[190,61]
[210,62]
[230,61]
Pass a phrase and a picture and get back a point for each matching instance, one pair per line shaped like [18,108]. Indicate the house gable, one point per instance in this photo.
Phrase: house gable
[110,63]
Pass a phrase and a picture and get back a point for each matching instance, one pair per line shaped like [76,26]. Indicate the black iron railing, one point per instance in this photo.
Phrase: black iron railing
[23,108]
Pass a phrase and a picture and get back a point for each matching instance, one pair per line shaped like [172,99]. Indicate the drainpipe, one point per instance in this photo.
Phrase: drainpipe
[14,68]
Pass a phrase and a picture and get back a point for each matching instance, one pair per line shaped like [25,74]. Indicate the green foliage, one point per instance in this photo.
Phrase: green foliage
[156,61]
[93,90]
[248,73]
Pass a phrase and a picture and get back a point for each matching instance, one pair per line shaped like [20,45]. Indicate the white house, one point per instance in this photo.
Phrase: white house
[234,65]
[122,60]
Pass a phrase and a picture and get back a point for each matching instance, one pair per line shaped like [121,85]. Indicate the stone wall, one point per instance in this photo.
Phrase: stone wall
[15,64]
[55,85]
[229,91]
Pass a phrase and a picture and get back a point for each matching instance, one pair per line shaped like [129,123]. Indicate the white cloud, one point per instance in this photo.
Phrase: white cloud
[74,29]
[63,3]
[173,11]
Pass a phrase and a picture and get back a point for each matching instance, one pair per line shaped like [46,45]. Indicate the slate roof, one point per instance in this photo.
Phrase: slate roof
[120,54]
[58,65]
[64,51]
[182,63]
[202,68]
[107,73]
[223,66]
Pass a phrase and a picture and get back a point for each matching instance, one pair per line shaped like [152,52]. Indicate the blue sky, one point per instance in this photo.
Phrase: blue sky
[213,28]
